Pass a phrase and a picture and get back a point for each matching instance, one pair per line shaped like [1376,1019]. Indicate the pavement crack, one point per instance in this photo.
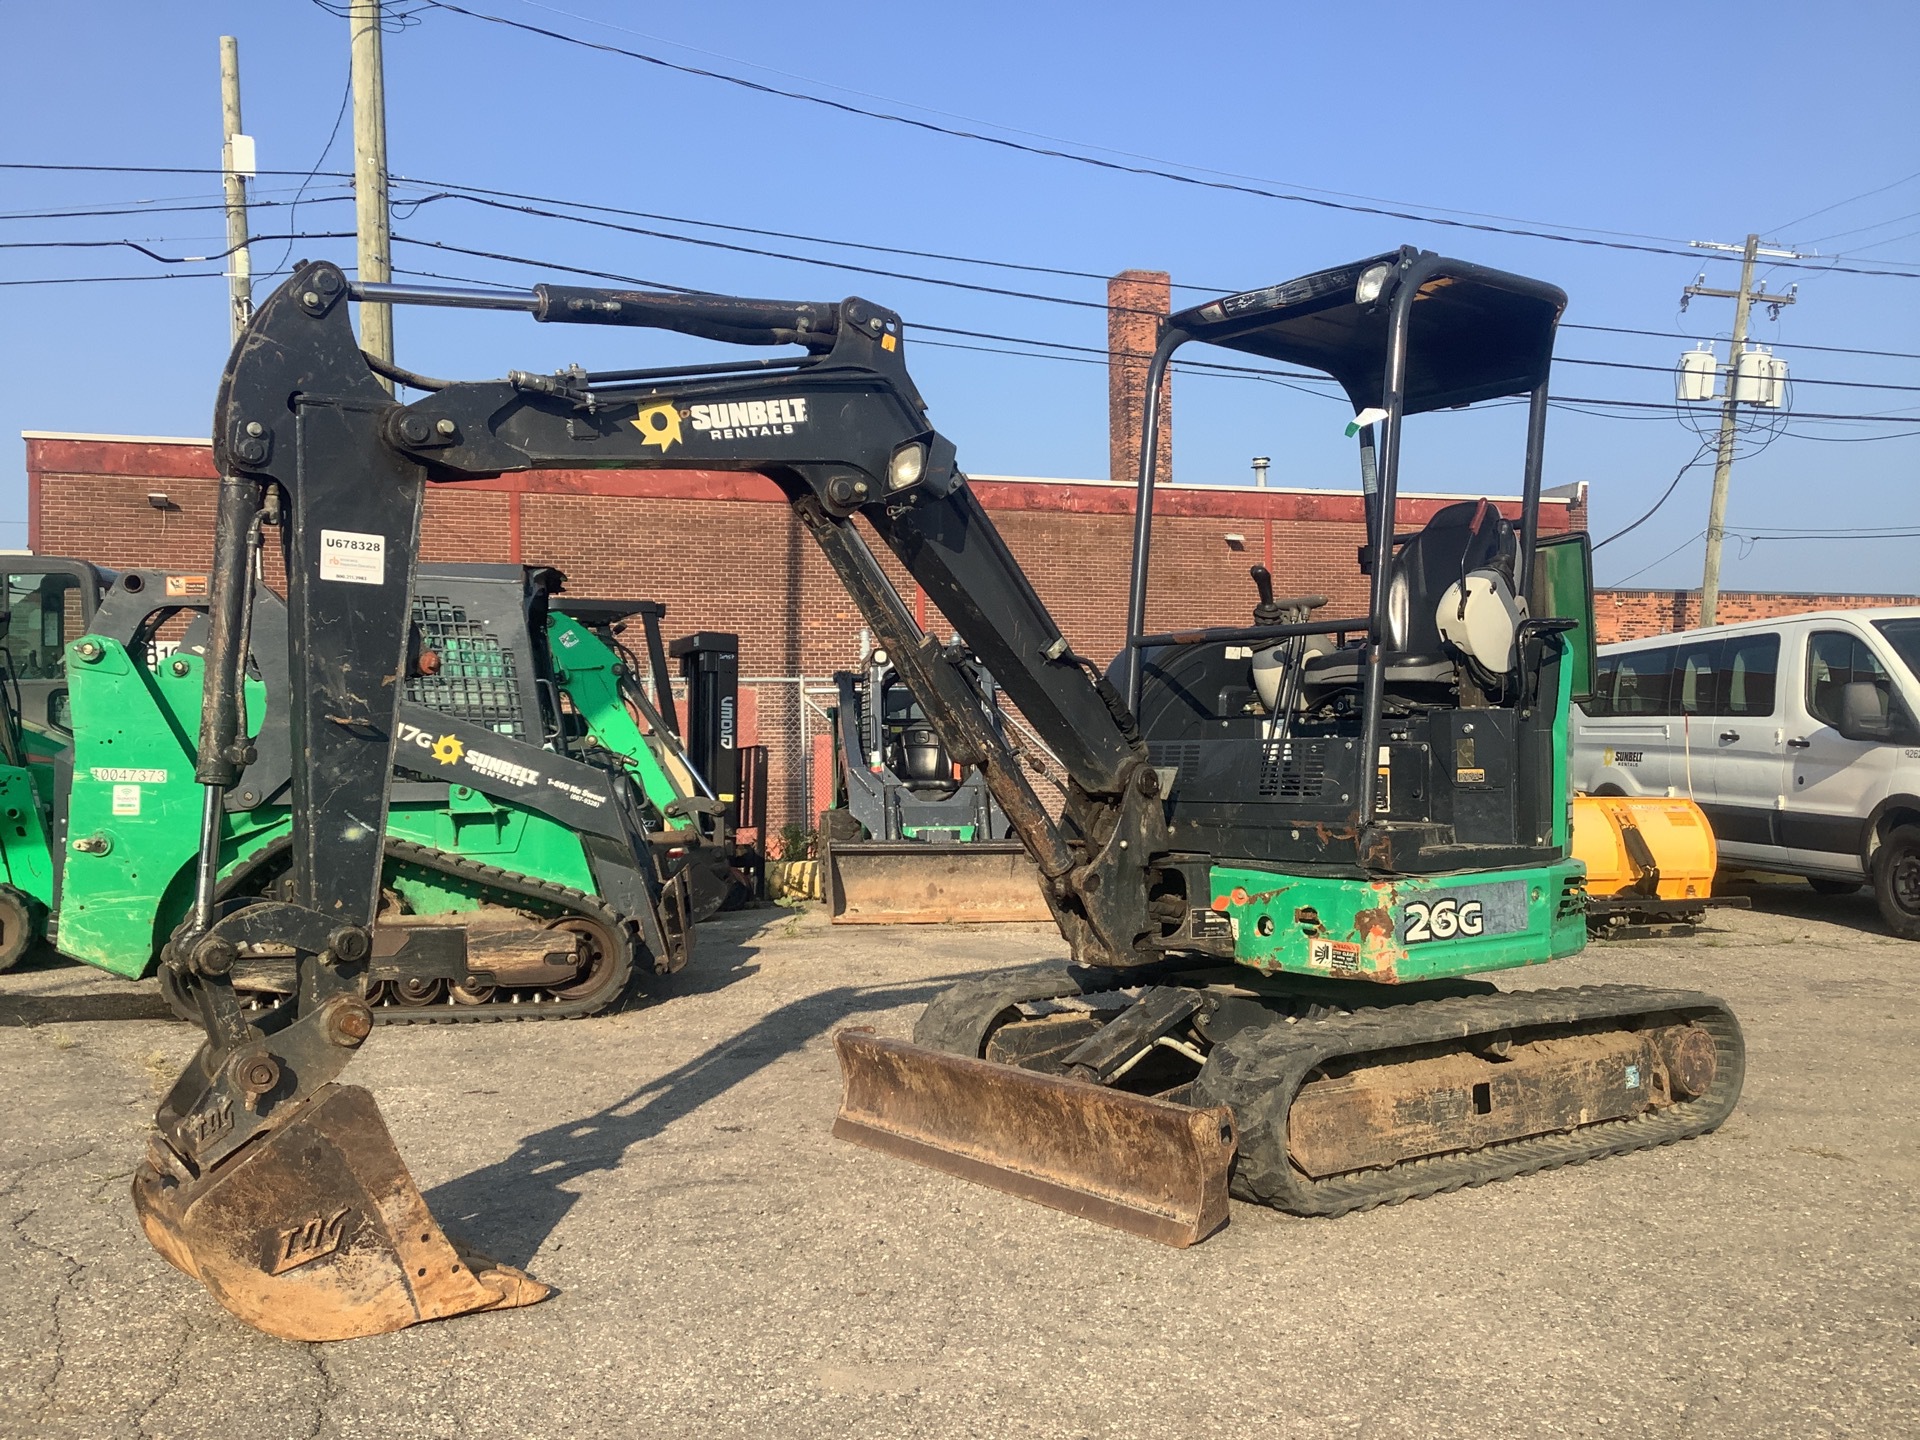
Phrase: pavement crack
[170,1377]
[71,1271]
[318,1354]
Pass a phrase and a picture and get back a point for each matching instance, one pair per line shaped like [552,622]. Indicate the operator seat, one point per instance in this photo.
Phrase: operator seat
[1461,538]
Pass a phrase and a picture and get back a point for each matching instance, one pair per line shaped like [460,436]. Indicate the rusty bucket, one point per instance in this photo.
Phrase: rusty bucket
[1146,1166]
[315,1230]
[918,882]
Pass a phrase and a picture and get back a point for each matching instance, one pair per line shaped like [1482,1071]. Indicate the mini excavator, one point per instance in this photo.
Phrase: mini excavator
[1283,849]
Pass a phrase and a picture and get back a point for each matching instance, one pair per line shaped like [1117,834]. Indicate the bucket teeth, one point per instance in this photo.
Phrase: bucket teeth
[1146,1166]
[316,1231]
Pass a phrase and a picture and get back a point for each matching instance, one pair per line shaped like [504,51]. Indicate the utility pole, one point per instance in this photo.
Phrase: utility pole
[236,165]
[370,175]
[1743,299]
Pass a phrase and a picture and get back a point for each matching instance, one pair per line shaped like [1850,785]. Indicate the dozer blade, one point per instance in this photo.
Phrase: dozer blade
[315,1231]
[1149,1167]
[916,882]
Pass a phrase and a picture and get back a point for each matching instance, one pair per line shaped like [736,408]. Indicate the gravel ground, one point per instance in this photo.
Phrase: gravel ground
[725,1268]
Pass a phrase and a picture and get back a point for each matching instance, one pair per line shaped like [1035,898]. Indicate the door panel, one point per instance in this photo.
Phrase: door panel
[1833,782]
[1749,744]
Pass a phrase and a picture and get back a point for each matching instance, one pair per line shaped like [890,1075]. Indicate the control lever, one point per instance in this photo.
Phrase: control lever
[1290,609]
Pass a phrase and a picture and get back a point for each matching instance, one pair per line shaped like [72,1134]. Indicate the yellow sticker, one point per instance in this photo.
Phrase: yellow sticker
[448,749]
[658,425]
[888,343]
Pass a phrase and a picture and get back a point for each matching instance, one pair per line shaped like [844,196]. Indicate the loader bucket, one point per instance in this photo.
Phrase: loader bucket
[1146,1166]
[916,882]
[315,1231]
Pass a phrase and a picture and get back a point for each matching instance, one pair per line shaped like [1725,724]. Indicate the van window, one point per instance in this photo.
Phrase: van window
[1601,703]
[1904,636]
[1641,683]
[1747,674]
[1697,691]
[1836,659]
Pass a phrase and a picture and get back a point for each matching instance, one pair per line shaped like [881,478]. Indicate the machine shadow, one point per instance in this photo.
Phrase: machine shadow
[509,1208]
[1797,901]
[113,999]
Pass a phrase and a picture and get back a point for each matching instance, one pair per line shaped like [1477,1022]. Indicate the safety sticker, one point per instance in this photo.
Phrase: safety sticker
[126,799]
[1342,957]
[182,587]
[353,558]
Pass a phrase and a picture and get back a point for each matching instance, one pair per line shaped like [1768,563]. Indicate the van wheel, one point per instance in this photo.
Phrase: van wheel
[1833,887]
[1896,881]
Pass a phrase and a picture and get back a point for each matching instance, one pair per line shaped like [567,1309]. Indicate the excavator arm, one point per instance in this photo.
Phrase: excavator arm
[271,1183]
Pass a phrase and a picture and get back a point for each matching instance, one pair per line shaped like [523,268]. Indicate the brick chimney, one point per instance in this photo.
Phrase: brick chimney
[1136,299]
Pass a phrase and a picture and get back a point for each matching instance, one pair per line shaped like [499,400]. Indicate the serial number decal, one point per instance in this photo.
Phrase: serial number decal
[353,558]
[1464,914]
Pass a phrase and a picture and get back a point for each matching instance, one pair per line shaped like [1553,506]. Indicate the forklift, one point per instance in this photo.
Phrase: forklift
[912,836]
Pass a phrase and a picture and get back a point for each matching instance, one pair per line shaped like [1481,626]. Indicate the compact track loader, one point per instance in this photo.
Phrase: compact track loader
[113,774]
[1285,845]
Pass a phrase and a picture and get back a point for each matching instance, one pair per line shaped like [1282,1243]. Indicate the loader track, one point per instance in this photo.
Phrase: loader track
[524,1003]
[1259,1071]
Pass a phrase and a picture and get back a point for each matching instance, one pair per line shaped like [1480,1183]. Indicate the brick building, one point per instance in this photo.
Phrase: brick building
[1634,614]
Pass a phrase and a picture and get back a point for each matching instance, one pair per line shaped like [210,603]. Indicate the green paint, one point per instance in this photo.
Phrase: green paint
[1366,919]
[25,859]
[133,789]
[965,832]
[588,672]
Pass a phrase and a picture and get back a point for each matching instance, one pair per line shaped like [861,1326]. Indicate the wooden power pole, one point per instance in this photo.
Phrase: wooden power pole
[236,164]
[370,174]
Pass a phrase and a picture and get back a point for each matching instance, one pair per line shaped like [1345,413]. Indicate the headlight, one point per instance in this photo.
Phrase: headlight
[909,464]
[1372,281]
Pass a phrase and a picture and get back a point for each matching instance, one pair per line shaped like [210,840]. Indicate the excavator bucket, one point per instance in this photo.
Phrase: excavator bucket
[315,1231]
[916,882]
[1146,1166]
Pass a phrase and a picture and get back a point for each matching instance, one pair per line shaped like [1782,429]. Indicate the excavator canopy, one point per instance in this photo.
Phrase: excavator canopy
[1474,333]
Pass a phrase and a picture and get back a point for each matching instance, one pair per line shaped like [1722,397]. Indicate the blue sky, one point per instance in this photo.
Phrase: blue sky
[1661,124]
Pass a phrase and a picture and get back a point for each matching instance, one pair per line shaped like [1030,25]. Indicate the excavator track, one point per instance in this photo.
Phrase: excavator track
[1261,1071]
[505,1004]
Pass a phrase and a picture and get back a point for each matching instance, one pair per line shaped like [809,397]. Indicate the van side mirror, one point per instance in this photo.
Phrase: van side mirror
[1863,712]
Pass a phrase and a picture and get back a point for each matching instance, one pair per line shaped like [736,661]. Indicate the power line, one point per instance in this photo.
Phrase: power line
[1651,563]
[1777,344]
[1048,152]
[1082,144]
[1863,195]
[155,255]
[1665,495]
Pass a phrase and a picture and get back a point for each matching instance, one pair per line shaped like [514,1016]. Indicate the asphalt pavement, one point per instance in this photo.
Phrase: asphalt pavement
[725,1268]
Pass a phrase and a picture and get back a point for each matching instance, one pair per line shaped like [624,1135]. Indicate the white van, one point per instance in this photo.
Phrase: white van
[1797,736]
